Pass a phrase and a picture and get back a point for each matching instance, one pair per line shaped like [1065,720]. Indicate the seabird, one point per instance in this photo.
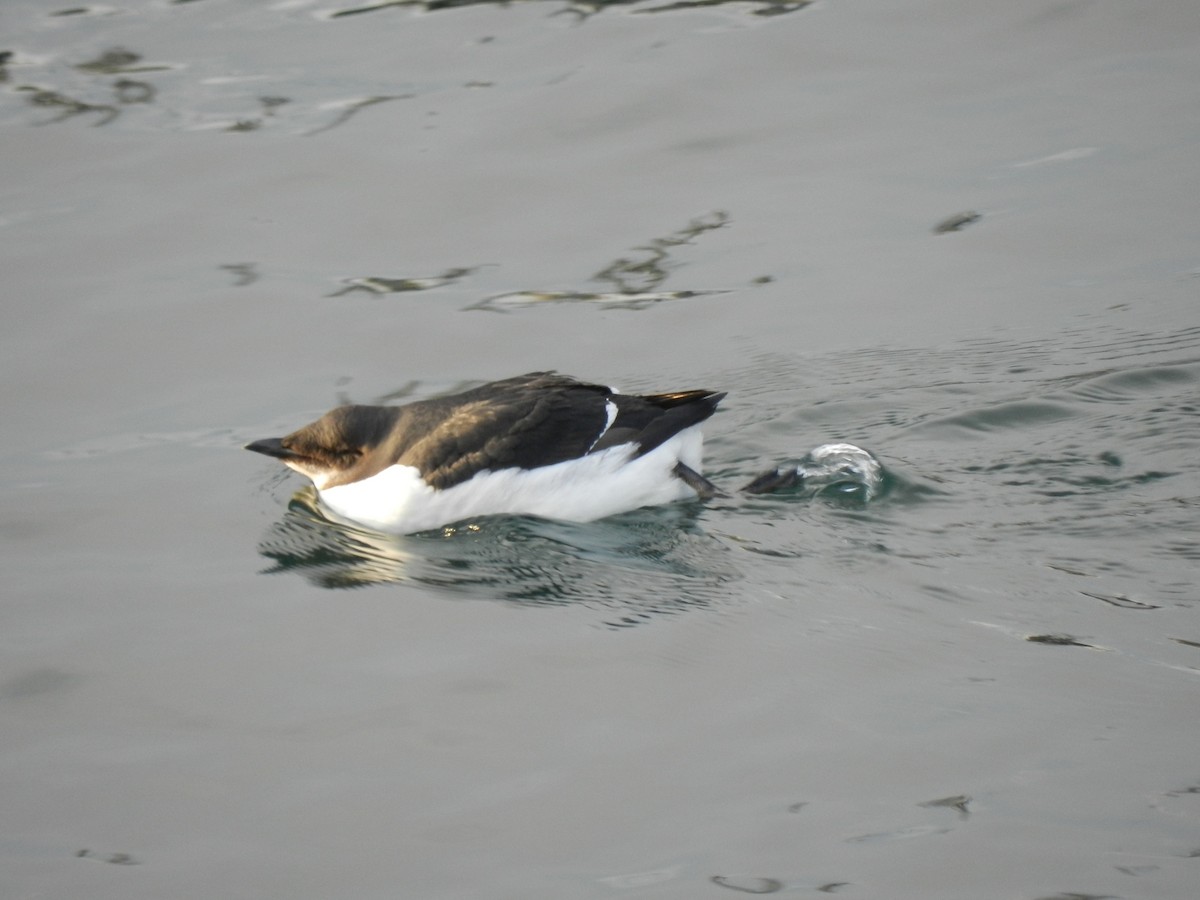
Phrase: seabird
[540,444]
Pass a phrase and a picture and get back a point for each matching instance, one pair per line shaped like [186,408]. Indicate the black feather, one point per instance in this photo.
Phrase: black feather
[526,422]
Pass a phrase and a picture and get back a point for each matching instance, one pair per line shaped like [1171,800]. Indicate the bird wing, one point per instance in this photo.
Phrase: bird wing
[654,418]
[525,422]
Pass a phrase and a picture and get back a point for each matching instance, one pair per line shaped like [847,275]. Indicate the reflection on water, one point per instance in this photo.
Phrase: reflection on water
[956,222]
[119,61]
[1058,640]
[427,5]
[641,564]
[243,273]
[634,281]
[1120,600]
[648,265]
[353,106]
[763,8]
[99,88]
[268,106]
[130,91]
[958,803]
[378,285]
[606,299]
[116,859]
[201,94]
[748,885]
[585,8]
[125,91]
[67,107]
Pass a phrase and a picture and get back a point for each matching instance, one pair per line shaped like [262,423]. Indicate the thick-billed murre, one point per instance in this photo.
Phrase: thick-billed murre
[540,444]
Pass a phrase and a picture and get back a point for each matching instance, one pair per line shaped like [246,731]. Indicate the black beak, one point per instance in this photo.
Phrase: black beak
[271,447]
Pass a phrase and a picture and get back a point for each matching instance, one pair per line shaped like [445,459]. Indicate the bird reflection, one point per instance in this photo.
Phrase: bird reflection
[638,565]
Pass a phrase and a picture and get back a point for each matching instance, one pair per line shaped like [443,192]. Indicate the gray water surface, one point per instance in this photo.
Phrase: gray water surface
[962,235]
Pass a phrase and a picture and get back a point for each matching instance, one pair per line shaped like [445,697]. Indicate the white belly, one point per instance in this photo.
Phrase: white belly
[578,490]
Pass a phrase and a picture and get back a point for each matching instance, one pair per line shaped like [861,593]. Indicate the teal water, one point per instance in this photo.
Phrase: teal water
[219,219]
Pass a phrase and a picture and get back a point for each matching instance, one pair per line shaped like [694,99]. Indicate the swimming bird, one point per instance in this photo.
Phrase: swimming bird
[540,444]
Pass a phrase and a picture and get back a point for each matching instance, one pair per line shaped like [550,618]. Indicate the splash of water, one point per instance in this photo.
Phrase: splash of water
[839,469]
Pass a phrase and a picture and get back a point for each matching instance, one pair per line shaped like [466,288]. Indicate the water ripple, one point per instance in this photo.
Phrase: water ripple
[991,450]
[636,566]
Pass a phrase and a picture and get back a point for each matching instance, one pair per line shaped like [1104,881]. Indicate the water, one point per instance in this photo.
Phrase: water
[982,682]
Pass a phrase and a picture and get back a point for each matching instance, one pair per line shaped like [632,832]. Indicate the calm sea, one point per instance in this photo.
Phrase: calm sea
[961,235]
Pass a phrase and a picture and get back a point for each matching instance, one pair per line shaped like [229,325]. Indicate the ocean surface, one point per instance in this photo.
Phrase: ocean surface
[962,235]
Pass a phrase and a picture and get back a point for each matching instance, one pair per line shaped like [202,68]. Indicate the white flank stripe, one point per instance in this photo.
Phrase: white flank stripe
[610,410]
